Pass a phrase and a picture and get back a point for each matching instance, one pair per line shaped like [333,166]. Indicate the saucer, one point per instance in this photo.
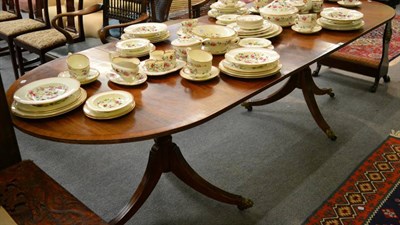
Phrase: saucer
[342,3]
[108,115]
[92,76]
[116,78]
[315,29]
[179,65]
[214,73]
[142,53]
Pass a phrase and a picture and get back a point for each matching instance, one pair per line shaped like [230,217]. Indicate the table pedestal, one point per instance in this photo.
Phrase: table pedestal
[305,82]
[165,156]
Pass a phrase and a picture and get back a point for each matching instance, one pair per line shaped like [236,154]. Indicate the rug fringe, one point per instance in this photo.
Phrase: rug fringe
[395,133]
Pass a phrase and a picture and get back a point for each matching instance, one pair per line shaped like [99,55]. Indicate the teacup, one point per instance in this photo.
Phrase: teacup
[181,44]
[187,25]
[199,62]
[306,22]
[127,68]
[317,5]
[161,61]
[167,57]
[78,66]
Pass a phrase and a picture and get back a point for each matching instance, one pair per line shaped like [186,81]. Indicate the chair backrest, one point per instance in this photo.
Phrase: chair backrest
[159,10]
[9,151]
[11,6]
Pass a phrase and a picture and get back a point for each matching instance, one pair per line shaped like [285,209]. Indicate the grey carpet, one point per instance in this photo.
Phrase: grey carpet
[275,155]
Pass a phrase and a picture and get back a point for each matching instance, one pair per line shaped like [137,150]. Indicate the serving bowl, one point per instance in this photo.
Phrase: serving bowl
[280,12]
[144,30]
[248,22]
[216,38]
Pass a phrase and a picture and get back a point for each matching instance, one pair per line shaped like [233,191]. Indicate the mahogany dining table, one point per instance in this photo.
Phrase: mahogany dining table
[169,104]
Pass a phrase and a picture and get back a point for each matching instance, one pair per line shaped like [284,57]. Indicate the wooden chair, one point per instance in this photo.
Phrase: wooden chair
[27,193]
[12,28]
[366,66]
[72,35]
[195,9]
[159,10]
[42,41]
[9,10]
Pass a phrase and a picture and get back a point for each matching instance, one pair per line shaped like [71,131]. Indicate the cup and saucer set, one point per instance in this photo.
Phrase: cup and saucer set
[79,69]
[154,32]
[125,71]
[109,105]
[161,63]
[199,66]
[306,24]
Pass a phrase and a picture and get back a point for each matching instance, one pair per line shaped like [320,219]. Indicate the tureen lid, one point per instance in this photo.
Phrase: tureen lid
[279,7]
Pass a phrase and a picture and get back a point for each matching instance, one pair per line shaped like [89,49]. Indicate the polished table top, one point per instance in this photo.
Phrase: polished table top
[170,104]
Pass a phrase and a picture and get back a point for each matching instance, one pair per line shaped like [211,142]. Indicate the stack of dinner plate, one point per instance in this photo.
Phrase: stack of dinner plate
[109,105]
[250,63]
[341,19]
[47,98]
[267,30]
[154,32]
[219,8]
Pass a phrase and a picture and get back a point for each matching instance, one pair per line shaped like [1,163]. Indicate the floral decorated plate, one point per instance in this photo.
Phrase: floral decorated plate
[116,78]
[185,73]
[350,5]
[109,101]
[179,65]
[46,90]
[341,14]
[254,43]
[92,76]
[340,28]
[252,56]
[146,29]
[108,115]
[20,111]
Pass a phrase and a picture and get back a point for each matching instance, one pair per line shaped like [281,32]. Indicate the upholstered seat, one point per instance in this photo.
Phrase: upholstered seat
[16,27]
[4,15]
[44,38]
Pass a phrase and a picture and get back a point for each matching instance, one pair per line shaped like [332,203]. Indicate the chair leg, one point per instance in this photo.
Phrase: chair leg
[315,73]
[13,57]
[20,60]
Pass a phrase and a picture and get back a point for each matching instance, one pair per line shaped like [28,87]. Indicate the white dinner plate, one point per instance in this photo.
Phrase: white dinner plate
[46,90]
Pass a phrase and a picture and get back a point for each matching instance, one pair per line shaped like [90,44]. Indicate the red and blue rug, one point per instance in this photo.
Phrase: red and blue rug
[369,46]
[370,195]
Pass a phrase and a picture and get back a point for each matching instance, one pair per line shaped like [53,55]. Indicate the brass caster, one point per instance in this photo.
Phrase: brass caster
[247,106]
[245,204]
[331,94]
[331,135]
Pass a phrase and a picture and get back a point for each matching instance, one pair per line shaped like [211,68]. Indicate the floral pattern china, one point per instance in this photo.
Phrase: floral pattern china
[109,101]
[252,56]
[341,14]
[46,90]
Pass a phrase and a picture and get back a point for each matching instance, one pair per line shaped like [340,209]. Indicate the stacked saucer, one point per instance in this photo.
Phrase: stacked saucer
[219,8]
[341,19]
[255,43]
[109,105]
[226,19]
[47,98]
[350,3]
[251,63]
[154,32]
[267,30]
[134,47]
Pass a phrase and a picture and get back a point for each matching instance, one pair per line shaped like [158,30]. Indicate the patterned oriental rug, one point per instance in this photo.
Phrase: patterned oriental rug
[369,46]
[370,195]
